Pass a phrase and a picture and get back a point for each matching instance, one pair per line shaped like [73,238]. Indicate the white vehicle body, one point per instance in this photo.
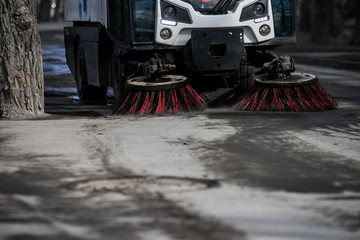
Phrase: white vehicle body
[97,11]
[146,21]
[87,11]
[182,31]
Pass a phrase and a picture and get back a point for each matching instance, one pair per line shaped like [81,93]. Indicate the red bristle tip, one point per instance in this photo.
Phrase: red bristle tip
[307,98]
[159,102]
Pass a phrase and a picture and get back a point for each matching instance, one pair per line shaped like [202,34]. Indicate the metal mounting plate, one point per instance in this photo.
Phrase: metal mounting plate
[203,40]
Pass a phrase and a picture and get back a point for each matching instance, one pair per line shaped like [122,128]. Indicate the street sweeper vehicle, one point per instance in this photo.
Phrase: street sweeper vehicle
[151,52]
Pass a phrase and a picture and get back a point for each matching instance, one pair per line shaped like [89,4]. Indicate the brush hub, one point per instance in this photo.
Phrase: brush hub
[156,83]
[281,80]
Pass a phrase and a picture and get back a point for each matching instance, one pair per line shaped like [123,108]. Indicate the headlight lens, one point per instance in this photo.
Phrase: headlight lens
[169,12]
[259,9]
[165,33]
[264,30]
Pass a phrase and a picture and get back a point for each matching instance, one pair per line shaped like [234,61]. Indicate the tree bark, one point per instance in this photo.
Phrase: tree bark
[21,71]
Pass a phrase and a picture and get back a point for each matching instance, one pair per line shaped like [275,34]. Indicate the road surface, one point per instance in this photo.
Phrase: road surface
[79,172]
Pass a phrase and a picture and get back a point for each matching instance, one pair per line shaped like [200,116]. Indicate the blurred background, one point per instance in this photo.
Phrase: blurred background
[50,10]
[323,22]
[334,22]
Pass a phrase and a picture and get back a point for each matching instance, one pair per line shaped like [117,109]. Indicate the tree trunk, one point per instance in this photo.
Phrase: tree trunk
[45,6]
[357,25]
[57,10]
[21,71]
[321,21]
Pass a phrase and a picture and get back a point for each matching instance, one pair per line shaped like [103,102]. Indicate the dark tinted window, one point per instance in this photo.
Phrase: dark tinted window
[283,18]
[144,20]
[119,19]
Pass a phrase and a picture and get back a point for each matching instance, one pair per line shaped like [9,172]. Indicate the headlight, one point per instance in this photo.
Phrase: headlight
[165,33]
[259,9]
[169,12]
[264,30]
[168,22]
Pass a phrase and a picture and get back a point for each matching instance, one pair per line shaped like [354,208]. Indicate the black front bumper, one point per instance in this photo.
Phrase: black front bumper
[216,49]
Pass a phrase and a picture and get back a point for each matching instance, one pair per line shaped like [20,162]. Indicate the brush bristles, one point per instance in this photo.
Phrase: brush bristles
[307,98]
[159,102]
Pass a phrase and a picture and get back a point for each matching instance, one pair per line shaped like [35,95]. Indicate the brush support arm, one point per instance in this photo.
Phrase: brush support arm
[279,65]
[155,66]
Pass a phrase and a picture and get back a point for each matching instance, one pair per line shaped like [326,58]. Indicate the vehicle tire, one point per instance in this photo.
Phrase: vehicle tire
[116,74]
[85,91]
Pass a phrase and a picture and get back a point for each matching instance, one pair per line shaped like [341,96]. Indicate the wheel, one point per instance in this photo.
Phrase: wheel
[116,73]
[85,91]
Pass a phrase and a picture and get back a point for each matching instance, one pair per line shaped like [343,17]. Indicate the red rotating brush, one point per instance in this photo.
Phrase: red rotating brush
[297,93]
[158,95]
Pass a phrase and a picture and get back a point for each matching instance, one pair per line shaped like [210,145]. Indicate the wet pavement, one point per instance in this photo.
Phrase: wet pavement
[79,172]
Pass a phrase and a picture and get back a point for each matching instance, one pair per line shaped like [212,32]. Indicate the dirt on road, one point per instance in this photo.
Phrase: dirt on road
[79,172]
